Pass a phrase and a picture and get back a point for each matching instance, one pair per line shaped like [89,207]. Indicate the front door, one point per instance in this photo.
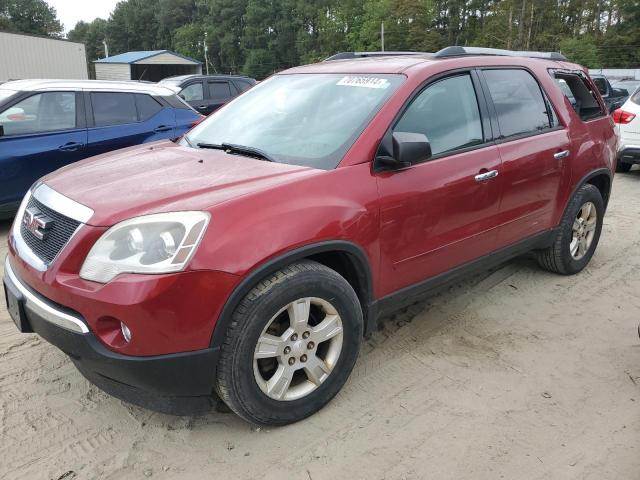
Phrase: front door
[220,92]
[41,133]
[442,213]
[194,95]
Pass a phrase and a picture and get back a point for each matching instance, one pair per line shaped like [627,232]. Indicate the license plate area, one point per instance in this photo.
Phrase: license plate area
[15,306]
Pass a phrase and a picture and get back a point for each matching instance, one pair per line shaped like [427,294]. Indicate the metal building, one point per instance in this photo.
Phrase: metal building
[29,56]
[151,66]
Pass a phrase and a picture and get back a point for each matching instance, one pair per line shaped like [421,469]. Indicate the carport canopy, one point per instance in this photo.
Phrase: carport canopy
[151,66]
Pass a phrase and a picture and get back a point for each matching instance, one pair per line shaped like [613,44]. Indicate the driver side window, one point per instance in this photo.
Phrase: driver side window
[42,112]
[447,113]
[193,92]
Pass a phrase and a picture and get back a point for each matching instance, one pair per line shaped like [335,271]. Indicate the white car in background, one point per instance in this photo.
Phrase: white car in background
[627,119]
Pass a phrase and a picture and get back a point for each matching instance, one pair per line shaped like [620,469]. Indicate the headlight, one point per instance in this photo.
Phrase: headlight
[159,243]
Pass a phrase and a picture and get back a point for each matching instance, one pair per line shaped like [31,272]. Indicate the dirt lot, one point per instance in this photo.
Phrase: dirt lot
[516,373]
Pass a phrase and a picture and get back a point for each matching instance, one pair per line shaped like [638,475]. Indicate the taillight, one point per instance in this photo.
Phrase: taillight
[196,122]
[620,116]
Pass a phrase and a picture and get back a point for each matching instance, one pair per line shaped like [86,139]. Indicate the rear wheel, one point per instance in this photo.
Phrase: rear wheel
[292,344]
[579,233]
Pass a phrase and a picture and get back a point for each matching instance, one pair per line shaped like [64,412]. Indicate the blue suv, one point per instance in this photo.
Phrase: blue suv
[47,124]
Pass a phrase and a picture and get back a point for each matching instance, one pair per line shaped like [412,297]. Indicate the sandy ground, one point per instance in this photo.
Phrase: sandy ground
[516,373]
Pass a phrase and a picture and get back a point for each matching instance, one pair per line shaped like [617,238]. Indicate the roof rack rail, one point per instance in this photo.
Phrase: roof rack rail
[457,51]
[347,55]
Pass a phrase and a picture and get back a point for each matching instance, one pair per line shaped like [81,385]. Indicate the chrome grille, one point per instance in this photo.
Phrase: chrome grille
[62,230]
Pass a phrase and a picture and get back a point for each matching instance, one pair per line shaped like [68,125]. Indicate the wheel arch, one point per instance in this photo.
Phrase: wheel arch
[601,179]
[346,258]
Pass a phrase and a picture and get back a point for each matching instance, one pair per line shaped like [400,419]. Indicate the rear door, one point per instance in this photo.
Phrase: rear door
[534,148]
[122,119]
[442,213]
[220,92]
[42,132]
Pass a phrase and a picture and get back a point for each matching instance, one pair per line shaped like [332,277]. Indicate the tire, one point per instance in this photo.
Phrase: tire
[559,257]
[246,385]
[622,167]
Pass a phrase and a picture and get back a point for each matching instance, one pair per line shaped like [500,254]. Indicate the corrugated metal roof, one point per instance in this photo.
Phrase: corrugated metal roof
[133,57]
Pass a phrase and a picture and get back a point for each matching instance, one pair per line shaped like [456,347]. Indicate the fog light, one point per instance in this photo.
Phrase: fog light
[126,333]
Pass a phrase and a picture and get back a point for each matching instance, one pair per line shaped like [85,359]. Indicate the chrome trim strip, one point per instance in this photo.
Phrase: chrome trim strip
[41,308]
[61,204]
[22,249]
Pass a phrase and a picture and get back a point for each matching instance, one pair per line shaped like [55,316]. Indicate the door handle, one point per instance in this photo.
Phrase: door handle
[162,128]
[561,155]
[481,177]
[70,147]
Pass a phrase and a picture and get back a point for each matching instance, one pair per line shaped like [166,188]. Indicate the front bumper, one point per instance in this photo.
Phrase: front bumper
[179,383]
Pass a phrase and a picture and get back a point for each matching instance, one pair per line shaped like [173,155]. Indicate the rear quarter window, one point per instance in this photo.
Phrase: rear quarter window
[242,85]
[147,106]
[580,95]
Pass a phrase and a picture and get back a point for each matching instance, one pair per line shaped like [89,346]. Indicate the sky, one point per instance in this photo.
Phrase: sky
[72,11]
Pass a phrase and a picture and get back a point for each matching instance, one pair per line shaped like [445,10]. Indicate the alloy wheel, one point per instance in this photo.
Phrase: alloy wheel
[298,349]
[583,230]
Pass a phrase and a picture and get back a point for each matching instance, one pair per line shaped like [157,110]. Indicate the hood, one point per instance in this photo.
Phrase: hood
[164,177]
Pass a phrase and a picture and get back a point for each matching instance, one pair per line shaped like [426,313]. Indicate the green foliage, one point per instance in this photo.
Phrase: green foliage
[581,50]
[29,16]
[258,37]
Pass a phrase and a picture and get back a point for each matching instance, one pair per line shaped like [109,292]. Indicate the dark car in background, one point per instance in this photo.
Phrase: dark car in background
[628,84]
[207,93]
[47,124]
[613,97]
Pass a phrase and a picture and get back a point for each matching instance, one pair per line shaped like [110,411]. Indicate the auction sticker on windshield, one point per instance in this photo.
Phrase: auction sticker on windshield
[365,82]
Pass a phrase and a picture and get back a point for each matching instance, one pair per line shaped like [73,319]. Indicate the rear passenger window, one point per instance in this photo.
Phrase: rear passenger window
[580,95]
[147,106]
[520,105]
[113,108]
[219,90]
[447,113]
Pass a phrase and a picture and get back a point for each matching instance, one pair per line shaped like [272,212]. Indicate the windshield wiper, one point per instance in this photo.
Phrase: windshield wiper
[239,150]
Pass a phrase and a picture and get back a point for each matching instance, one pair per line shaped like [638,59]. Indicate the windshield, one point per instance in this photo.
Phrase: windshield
[302,119]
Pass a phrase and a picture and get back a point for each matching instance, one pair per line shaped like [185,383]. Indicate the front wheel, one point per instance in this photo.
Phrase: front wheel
[578,235]
[292,344]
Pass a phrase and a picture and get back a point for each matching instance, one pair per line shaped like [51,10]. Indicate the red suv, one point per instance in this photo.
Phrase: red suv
[249,259]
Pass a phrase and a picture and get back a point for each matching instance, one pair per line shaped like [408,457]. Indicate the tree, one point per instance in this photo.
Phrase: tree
[581,50]
[258,37]
[29,16]
[133,26]
[92,35]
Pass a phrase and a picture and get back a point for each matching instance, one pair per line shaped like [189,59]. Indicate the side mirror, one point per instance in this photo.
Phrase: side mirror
[408,148]
[1,130]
